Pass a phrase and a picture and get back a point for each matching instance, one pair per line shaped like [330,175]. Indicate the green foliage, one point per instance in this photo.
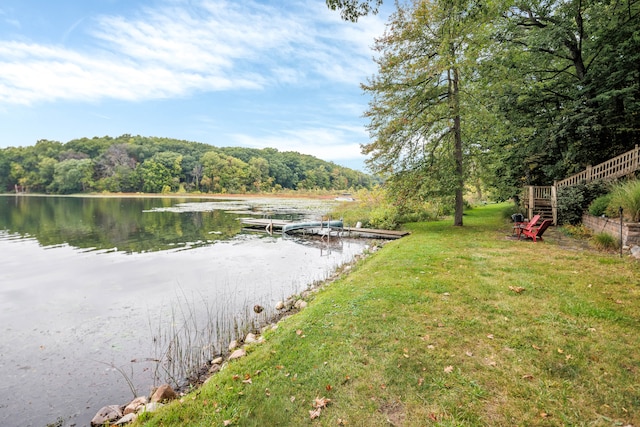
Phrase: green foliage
[511,210]
[72,176]
[627,196]
[598,206]
[573,201]
[351,10]
[565,77]
[578,231]
[135,163]
[422,94]
[376,209]
[605,241]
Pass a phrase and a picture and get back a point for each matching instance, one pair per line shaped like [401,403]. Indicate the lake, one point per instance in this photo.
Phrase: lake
[93,290]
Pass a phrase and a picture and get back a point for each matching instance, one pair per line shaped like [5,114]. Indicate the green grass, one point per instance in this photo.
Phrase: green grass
[428,332]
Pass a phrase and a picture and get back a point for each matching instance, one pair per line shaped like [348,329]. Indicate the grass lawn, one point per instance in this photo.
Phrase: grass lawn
[449,326]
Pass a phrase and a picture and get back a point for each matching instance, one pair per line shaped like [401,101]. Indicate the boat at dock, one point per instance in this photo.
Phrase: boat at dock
[313,227]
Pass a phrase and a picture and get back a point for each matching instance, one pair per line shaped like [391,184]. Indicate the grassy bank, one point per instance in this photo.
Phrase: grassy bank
[449,326]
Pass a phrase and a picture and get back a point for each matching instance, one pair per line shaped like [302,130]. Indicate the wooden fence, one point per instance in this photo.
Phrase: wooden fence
[617,167]
[543,200]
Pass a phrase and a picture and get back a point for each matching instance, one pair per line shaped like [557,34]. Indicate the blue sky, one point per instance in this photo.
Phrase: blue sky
[283,74]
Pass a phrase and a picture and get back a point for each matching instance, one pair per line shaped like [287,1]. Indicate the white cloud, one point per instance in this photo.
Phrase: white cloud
[182,47]
[337,144]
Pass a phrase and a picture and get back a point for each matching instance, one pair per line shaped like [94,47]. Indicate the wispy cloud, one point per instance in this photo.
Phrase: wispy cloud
[183,47]
[326,143]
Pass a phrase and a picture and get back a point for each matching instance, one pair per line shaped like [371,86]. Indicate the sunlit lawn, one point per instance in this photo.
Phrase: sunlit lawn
[428,332]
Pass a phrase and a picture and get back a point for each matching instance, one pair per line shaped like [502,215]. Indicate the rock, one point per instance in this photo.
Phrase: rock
[217,361]
[233,345]
[635,251]
[128,418]
[214,368]
[300,304]
[135,404]
[150,407]
[258,308]
[163,394]
[250,338]
[238,354]
[106,415]
[280,305]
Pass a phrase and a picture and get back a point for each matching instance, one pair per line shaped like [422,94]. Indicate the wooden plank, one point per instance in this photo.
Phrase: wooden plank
[263,222]
[393,234]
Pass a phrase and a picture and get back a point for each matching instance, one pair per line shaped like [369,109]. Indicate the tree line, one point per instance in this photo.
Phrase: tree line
[498,94]
[162,165]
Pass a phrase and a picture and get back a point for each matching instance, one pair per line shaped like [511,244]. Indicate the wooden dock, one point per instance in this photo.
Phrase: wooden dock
[373,233]
[272,226]
[269,225]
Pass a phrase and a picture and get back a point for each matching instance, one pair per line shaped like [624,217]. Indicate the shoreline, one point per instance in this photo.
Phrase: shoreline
[292,305]
[239,196]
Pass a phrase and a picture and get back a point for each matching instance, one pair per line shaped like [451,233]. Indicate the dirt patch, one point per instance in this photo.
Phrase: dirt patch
[395,413]
[554,236]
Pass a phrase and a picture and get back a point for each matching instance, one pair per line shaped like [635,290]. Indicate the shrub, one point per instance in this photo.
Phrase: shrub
[574,200]
[385,218]
[577,231]
[605,242]
[374,209]
[371,208]
[599,206]
[627,196]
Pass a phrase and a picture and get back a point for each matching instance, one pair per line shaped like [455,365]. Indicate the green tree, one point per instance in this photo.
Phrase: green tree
[258,174]
[46,172]
[427,56]
[156,176]
[351,10]
[72,176]
[567,80]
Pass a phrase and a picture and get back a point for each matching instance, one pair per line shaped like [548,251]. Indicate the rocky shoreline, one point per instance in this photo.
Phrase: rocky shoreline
[117,415]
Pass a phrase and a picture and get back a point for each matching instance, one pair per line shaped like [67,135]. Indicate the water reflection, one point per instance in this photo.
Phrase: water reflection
[134,225]
[86,283]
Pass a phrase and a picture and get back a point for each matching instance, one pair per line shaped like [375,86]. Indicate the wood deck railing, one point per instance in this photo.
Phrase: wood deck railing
[543,200]
[617,167]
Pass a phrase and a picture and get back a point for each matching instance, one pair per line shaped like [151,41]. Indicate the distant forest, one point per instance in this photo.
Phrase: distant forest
[162,165]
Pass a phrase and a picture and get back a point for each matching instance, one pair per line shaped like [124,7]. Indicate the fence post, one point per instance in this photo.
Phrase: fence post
[532,201]
[554,203]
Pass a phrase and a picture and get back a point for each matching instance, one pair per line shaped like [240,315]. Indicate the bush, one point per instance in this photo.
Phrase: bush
[599,206]
[627,196]
[605,242]
[371,208]
[385,218]
[374,209]
[573,201]
[576,231]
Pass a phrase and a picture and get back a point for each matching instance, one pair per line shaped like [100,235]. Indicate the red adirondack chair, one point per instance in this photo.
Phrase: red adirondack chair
[536,233]
[519,228]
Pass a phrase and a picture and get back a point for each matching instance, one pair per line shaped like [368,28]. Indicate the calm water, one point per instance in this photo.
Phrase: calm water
[88,284]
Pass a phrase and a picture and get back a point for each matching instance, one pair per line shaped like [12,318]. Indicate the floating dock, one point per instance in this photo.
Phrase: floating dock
[272,226]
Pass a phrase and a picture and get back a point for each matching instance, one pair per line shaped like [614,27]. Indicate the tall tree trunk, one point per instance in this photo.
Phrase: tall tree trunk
[457,135]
